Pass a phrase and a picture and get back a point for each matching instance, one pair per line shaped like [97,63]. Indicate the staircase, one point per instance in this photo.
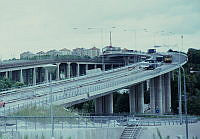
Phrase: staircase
[131,132]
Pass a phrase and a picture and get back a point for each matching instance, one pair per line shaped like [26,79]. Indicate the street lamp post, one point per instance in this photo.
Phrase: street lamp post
[51,108]
[179,85]
[180,96]
[185,94]
[185,98]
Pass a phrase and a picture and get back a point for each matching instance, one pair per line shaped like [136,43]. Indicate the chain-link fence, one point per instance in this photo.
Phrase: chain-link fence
[16,123]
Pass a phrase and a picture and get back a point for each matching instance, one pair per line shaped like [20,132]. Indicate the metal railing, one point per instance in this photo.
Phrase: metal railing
[61,122]
[17,123]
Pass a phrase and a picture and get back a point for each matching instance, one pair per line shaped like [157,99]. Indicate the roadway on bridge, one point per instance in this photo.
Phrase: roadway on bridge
[85,87]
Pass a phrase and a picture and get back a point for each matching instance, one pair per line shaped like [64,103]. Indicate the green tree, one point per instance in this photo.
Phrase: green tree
[6,83]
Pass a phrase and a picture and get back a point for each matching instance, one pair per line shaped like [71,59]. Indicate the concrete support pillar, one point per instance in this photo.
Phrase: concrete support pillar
[103,67]
[46,76]
[152,95]
[6,75]
[132,99]
[109,104]
[68,70]
[58,71]
[78,70]
[148,84]
[128,59]
[159,102]
[112,66]
[86,67]
[99,105]
[21,76]
[136,98]
[104,104]
[34,76]
[140,97]
[95,66]
[167,93]
[163,93]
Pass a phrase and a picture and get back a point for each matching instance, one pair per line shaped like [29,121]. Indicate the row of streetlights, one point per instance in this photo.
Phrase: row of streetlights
[180,93]
[101,30]
[134,33]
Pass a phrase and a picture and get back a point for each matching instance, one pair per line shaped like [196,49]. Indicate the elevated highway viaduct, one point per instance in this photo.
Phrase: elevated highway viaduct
[32,72]
[100,86]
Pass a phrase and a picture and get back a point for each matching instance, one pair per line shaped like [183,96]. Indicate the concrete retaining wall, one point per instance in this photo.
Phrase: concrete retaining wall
[73,133]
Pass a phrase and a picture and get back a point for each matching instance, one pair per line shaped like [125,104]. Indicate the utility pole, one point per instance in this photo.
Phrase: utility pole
[179,87]
[51,108]
[185,98]
[180,96]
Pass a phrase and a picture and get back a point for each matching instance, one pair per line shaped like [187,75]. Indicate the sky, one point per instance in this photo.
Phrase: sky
[42,25]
